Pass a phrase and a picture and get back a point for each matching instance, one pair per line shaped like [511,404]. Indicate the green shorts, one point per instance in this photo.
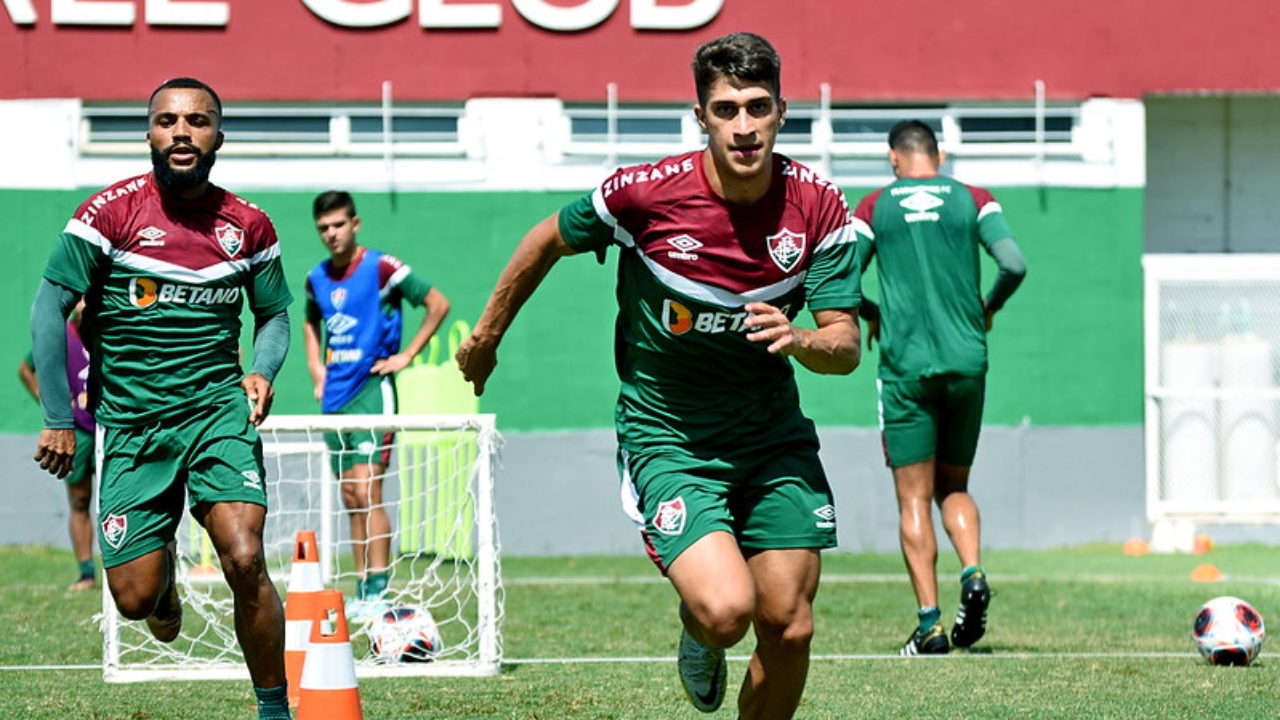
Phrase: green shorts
[83,463]
[212,453]
[769,500]
[348,449]
[934,417]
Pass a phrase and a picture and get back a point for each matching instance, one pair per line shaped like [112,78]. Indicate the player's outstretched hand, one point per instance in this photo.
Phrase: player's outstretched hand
[477,359]
[389,365]
[261,395]
[770,325]
[55,450]
[873,332]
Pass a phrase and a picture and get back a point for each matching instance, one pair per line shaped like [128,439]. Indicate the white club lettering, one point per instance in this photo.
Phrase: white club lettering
[21,12]
[440,14]
[565,19]
[370,14]
[649,15]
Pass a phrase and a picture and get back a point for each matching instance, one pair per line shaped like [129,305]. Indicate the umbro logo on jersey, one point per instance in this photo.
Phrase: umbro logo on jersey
[786,248]
[340,324]
[921,203]
[151,236]
[230,237]
[684,246]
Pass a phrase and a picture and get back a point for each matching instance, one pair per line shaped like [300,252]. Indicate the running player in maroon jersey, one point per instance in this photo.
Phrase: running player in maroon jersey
[719,250]
[165,262]
[925,229]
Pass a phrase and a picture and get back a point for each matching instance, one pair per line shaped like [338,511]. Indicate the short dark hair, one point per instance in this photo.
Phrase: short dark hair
[331,200]
[911,136]
[190,83]
[742,55]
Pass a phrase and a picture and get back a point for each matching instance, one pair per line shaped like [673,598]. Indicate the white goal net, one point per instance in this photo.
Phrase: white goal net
[1212,344]
[438,495]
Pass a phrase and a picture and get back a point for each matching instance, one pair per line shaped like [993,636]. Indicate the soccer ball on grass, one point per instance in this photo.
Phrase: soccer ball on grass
[405,634]
[1228,631]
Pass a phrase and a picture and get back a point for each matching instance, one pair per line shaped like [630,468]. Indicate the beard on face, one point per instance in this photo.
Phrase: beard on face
[175,180]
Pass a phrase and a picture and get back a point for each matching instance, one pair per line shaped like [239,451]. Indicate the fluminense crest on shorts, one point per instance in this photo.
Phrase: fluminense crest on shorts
[786,248]
[114,528]
[669,520]
[230,237]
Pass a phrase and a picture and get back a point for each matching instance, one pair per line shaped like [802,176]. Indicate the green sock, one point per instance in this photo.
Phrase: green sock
[929,616]
[86,569]
[273,703]
[376,584]
[360,588]
[969,572]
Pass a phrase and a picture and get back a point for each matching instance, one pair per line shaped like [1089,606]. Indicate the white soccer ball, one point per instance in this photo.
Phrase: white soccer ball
[405,634]
[1228,631]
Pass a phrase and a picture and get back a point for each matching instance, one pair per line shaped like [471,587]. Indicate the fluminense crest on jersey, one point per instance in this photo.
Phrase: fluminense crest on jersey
[338,297]
[669,520]
[786,248]
[114,528]
[230,237]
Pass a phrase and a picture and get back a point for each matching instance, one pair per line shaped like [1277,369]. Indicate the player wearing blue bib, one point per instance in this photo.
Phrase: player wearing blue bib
[356,294]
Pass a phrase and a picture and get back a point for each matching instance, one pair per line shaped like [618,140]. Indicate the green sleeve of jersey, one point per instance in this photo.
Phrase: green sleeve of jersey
[582,228]
[993,227]
[74,263]
[414,289]
[833,279]
[269,293]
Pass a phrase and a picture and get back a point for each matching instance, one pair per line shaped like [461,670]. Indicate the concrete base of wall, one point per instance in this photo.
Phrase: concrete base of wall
[557,492]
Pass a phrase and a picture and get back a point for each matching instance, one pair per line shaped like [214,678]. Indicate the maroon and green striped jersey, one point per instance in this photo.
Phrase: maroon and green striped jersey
[924,234]
[688,263]
[164,283]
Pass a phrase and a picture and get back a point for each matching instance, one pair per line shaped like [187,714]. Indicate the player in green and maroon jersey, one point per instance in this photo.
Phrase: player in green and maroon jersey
[165,262]
[719,250]
[924,230]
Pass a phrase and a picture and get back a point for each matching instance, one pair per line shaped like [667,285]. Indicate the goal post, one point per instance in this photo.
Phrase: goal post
[438,496]
[1211,400]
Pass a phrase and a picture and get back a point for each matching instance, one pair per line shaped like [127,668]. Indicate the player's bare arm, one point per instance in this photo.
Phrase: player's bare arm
[27,375]
[540,248]
[261,394]
[437,306]
[315,366]
[831,349]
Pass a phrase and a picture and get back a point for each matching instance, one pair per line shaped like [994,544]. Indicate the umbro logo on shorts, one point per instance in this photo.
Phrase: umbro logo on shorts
[251,480]
[826,516]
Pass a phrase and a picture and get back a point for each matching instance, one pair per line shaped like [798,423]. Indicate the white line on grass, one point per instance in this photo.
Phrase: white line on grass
[874,578]
[744,658]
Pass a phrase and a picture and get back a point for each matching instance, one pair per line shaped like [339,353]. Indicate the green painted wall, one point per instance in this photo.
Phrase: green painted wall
[1066,351]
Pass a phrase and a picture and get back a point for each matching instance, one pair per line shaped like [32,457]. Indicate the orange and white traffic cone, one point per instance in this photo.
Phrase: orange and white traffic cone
[329,690]
[305,584]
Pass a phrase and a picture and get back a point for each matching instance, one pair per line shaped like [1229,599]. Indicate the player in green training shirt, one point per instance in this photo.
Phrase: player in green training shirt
[924,230]
[165,262]
[718,251]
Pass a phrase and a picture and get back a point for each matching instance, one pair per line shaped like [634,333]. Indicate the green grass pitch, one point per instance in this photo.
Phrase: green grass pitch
[1079,633]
